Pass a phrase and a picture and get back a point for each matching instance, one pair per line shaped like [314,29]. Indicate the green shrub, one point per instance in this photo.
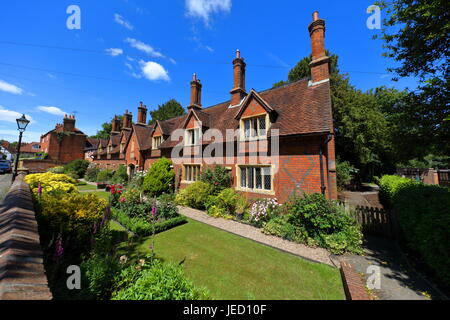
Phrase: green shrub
[159,178]
[390,185]
[157,281]
[325,223]
[120,175]
[280,227]
[227,204]
[219,178]
[424,217]
[91,174]
[105,176]
[345,172]
[77,168]
[166,207]
[195,195]
[59,169]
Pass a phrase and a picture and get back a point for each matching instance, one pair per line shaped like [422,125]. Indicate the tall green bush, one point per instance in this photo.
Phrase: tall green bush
[91,174]
[105,176]
[120,175]
[424,216]
[77,168]
[159,178]
[219,178]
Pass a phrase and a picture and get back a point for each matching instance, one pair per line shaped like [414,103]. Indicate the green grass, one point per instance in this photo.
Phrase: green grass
[86,187]
[232,267]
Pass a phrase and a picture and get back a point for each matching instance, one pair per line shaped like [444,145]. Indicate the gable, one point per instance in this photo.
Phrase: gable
[157,132]
[192,123]
[253,108]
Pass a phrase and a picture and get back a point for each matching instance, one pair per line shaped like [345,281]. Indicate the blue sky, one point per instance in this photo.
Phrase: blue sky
[140,50]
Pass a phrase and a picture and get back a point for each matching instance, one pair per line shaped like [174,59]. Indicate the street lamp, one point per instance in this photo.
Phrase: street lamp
[21,126]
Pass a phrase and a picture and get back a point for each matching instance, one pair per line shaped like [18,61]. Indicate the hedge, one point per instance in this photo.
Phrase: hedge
[142,227]
[423,212]
[424,217]
[390,185]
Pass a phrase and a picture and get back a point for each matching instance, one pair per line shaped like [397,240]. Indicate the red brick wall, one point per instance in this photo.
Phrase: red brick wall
[70,148]
[38,166]
[109,164]
[252,109]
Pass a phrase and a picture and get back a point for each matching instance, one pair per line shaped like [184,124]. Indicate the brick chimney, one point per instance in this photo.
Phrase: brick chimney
[320,62]
[142,114]
[196,93]
[69,123]
[238,91]
[115,128]
[127,120]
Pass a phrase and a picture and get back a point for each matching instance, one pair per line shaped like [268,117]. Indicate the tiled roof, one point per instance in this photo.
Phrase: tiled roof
[28,147]
[143,136]
[299,109]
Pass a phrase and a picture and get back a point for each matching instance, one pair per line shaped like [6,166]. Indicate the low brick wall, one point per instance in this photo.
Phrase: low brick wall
[38,166]
[353,283]
[22,274]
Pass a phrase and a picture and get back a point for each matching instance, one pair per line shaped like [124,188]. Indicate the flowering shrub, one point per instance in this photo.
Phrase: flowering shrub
[115,194]
[262,211]
[51,182]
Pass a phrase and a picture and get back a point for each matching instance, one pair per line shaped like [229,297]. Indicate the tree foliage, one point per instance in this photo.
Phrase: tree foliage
[165,111]
[416,34]
[105,132]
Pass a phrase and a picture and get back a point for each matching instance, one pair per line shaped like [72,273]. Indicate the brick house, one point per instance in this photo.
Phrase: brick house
[65,143]
[274,142]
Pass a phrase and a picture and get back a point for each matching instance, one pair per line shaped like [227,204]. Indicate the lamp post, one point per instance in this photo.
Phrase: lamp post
[21,126]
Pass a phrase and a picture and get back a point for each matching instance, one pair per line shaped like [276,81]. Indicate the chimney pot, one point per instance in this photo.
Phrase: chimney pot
[238,54]
[142,113]
[315,15]
[238,91]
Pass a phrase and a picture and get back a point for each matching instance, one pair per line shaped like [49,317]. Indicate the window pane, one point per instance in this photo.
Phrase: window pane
[250,177]
[254,127]
[262,126]
[247,128]
[267,178]
[243,177]
[258,178]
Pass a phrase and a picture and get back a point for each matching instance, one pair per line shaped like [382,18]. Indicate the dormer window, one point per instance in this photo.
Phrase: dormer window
[255,127]
[193,137]
[156,142]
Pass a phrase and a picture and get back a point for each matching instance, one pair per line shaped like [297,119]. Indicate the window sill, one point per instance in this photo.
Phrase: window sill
[253,139]
[260,191]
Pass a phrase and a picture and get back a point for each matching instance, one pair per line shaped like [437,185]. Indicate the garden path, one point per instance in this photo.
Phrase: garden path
[255,234]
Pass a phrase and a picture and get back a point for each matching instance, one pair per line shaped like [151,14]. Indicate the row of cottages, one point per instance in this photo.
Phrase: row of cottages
[273,142]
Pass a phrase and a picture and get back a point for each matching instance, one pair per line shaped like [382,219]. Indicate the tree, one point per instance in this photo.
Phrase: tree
[165,111]
[416,34]
[105,132]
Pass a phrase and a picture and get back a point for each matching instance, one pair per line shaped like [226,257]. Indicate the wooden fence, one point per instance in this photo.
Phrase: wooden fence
[374,221]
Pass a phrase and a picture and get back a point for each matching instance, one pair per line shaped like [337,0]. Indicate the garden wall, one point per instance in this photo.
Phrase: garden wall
[22,274]
[38,166]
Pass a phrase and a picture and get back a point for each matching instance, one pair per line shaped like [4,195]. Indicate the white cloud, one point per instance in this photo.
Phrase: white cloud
[114,51]
[8,87]
[154,71]
[119,19]
[144,47]
[204,8]
[12,135]
[11,116]
[52,110]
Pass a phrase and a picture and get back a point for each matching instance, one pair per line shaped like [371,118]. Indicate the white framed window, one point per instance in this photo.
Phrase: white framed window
[256,178]
[191,172]
[192,136]
[156,142]
[254,127]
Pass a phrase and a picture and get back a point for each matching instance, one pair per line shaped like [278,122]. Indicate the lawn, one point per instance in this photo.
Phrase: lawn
[232,267]
[86,187]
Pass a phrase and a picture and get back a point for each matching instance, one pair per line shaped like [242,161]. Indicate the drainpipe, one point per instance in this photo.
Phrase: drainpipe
[322,178]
